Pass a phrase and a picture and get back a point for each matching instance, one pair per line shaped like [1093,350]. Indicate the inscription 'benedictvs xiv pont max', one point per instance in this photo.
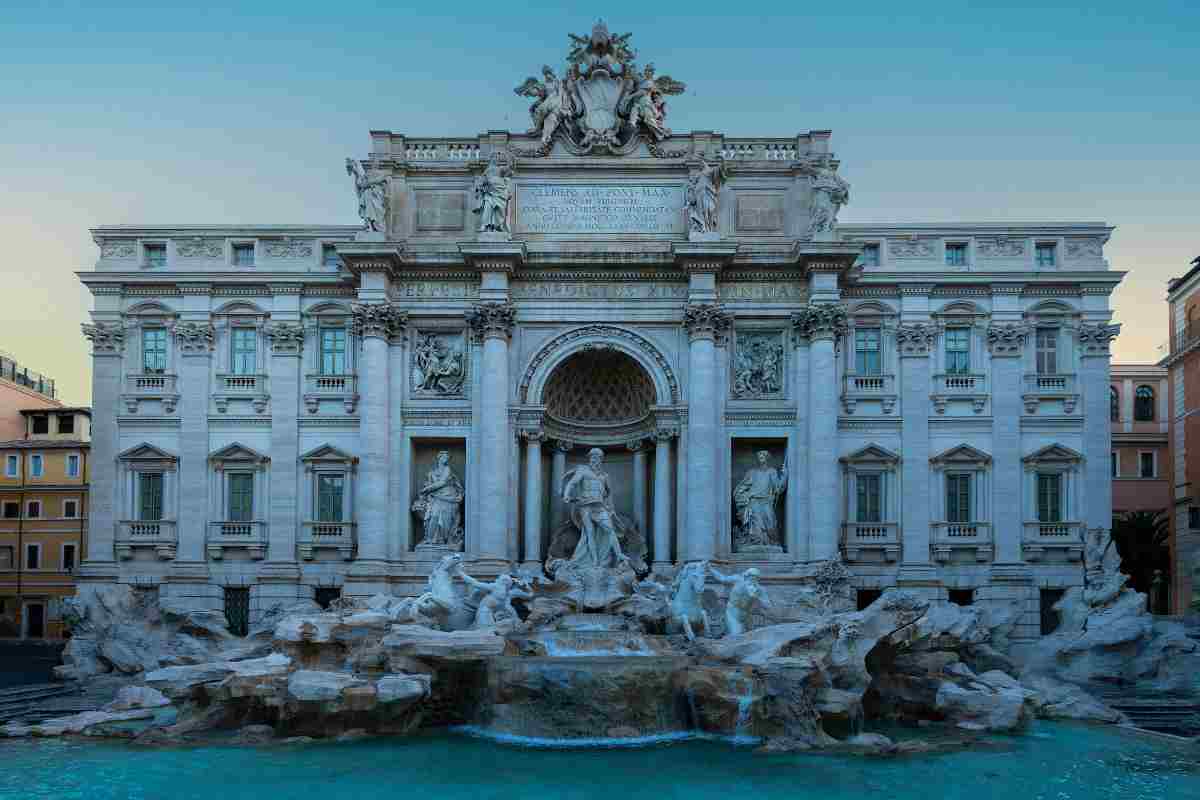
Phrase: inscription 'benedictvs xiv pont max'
[600,347]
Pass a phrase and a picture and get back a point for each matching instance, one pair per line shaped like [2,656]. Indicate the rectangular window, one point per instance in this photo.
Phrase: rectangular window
[6,557]
[869,505]
[329,257]
[958,497]
[244,359]
[1114,460]
[866,352]
[329,498]
[1046,255]
[1047,351]
[241,497]
[33,509]
[66,423]
[72,466]
[956,255]
[70,509]
[333,351]
[150,496]
[12,510]
[36,466]
[33,556]
[10,466]
[41,424]
[958,351]
[1049,497]
[68,558]
[1193,517]
[870,255]
[237,609]
[1146,465]
[243,255]
[156,255]
[154,350]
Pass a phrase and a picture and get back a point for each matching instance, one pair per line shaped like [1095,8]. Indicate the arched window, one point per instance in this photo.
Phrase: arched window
[1114,404]
[1143,404]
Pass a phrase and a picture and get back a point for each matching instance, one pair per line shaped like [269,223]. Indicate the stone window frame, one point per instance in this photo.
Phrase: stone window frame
[327,459]
[136,319]
[1143,401]
[874,459]
[236,245]
[959,459]
[329,315]
[136,460]
[1054,459]
[240,459]
[238,314]
[1153,464]
[1064,318]
[146,245]
[872,314]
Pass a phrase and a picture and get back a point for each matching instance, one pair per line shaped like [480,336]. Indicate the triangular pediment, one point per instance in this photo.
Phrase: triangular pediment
[327,452]
[146,452]
[961,454]
[872,454]
[238,452]
[1053,452]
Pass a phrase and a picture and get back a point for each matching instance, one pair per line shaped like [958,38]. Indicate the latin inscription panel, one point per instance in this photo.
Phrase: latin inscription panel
[599,208]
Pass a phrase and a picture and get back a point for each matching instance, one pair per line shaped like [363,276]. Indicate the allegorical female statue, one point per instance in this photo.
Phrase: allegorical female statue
[755,498]
[829,193]
[372,197]
[439,504]
[493,191]
[703,190]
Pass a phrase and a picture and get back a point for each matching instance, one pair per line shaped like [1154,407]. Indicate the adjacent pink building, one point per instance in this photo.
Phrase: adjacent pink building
[20,389]
[1140,413]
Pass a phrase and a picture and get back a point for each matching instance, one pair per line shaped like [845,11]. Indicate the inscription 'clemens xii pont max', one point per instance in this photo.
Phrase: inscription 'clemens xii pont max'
[599,209]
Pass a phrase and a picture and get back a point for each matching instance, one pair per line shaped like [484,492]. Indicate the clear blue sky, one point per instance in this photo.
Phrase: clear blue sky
[225,113]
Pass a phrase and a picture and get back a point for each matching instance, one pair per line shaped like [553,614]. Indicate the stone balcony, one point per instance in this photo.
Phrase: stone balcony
[1044,387]
[949,387]
[1041,538]
[880,538]
[856,388]
[335,388]
[229,534]
[974,539]
[159,535]
[339,536]
[150,386]
[241,387]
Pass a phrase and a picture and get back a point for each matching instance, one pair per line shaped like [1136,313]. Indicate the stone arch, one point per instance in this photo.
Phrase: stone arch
[590,337]
[150,308]
[240,308]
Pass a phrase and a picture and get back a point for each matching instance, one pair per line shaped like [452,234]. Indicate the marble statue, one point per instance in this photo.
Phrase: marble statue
[587,493]
[553,106]
[703,191]
[829,193]
[686,609]
[493,193]
[758,368]
[440,603]
[756,497]
[745,595]
[372,197]
[648,106]
[495,606]
[439,503]
[438,367]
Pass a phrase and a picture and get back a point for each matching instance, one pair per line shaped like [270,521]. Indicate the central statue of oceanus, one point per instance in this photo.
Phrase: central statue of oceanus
[606,538]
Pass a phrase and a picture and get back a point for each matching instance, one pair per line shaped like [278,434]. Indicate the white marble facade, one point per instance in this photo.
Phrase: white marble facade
[925,392]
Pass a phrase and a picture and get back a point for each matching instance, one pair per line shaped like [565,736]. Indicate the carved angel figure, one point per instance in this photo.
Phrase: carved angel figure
[493,192]
[553,105]
[372,197]
[704,187]
[829,193]
[647,103]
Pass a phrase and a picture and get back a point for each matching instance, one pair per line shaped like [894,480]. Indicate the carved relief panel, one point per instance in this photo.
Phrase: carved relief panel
[757,371]
[439,363]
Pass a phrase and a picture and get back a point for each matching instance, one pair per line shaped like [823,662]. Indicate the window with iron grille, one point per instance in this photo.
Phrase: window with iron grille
[241,497]
[244,358]
[333,351]
[869,497]
[958,351]
[1047,351]
[866,352]
[237,609]
[329,498]
[154,350]
[958,497]
[150,496]
[1143,404]
[1049,497]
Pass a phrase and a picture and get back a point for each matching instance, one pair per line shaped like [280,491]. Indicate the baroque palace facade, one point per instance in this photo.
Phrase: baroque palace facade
[284,412]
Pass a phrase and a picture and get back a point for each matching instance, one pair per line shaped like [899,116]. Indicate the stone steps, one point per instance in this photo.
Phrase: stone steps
[21,702]
[1159,714]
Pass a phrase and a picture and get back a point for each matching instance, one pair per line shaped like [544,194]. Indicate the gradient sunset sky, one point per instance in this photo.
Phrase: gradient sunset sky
[243,113]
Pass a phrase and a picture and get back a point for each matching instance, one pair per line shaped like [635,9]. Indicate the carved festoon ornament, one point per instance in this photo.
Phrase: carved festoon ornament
[829,193]
[492,320]
[439,365]
[372,197]
[106,337]
[915,339]
[1000,247]
[825,321]
[285,337]
[118,248]
[289,248]
[601,102]
[758,365]
[198,248]
[379,320]
[1095,338]
[194,337]
[705,320]
[703,193]
[1007,339]
[1085,249]
[493,195]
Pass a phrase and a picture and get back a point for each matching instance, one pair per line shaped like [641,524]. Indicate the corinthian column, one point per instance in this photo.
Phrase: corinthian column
[640,462]
[374,324]
[287,345]
[915,341]
[108,346]
[1094,371]
[824,324]
[704,323]
[533,494]
[1007,344]
[662,497]
[194,342]
[493,323]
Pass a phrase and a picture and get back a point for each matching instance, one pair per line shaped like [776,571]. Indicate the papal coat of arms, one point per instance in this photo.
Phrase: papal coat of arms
[603,102]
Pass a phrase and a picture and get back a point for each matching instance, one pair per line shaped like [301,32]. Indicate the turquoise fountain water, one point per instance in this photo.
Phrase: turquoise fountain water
[1052,762]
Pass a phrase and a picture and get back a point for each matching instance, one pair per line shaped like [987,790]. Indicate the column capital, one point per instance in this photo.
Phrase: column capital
[1007,339]
[824,321]
[665,435]
[492,320]
[194,338]
[563,445]
[915,339]
[705,320]
[533,435]
[286,338]
[1095,338]
[636,445]
[107,338]
[378,320]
